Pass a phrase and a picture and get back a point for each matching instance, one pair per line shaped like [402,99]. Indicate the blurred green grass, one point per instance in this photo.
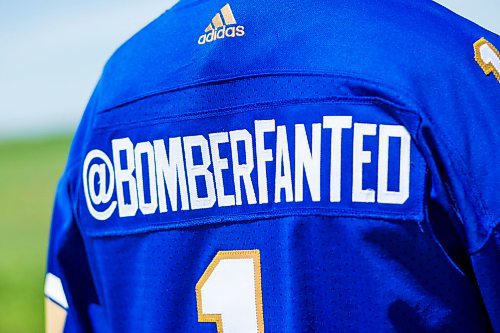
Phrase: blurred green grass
[29,171]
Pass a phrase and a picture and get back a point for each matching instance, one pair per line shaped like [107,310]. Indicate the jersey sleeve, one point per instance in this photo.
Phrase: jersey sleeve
[69,291]
[464,139]
[484,171]
[487,269]
[71,301]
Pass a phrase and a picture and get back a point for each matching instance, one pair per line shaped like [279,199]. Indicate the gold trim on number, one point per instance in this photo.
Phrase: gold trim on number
[223,255]
[487,68]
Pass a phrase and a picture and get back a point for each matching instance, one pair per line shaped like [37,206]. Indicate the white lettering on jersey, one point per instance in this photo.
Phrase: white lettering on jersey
[361,157]
[283,176]
[220,164]
[104,195]
[146,149]
[309,161]
[198,171]
[336,124]
[383,194]
[124,175]
[263,156]
[170,172]
[243,171]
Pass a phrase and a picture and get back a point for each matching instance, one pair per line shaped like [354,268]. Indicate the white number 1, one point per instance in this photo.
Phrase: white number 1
[229,293]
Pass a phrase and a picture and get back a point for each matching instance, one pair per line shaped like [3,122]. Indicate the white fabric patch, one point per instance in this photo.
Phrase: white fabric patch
[54,290]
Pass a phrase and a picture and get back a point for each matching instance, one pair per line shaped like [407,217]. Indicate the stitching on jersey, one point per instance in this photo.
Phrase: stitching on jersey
[400,93]
[465,175]
[246,107]
[489,235]
[463,168]
[433,237]
[259,216]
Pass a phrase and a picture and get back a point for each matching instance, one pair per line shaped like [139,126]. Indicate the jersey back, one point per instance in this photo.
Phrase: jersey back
[313,166]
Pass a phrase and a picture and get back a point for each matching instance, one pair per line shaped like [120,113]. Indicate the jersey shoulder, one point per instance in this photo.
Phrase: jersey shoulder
[393,42]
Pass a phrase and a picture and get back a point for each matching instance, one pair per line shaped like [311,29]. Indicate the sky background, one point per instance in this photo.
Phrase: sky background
[53,52]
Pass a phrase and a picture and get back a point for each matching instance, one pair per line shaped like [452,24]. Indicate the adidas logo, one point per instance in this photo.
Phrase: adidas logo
[222,27]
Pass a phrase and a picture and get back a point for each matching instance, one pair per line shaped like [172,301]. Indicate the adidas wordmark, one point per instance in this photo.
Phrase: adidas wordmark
[222,27]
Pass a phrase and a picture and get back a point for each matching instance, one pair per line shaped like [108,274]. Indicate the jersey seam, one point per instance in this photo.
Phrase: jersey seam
[255,106]
[463,171]
[218,79]
[256,217]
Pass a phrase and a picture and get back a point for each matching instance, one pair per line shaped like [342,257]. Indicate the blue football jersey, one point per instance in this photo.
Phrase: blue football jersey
[295,166]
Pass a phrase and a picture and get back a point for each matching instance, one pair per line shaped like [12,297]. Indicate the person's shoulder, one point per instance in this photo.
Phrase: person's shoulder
[442,38]
[395,41]
[149,56]
[413,40]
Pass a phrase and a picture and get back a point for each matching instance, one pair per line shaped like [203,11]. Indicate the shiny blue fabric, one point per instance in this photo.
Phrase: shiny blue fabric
[431,264]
